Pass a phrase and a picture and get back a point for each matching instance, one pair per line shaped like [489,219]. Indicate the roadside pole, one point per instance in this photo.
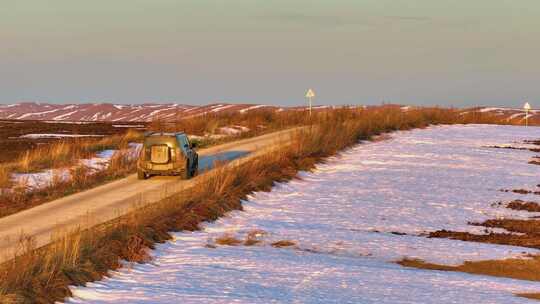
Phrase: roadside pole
[310,95]
[527,108]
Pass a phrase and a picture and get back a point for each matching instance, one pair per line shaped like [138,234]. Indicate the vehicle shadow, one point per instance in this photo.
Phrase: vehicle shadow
[207,162]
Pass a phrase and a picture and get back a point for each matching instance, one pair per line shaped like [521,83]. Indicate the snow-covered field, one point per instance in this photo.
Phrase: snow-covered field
[341,216]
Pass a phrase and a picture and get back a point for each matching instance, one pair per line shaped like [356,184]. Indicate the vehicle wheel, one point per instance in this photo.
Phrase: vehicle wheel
[195,169]
[186,174]
[141,175]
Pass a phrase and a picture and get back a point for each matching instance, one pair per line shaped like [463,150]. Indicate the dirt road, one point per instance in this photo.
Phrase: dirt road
[106,202]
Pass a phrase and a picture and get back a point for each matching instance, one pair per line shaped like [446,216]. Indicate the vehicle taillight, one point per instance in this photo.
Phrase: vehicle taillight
[148,154]
[173,154]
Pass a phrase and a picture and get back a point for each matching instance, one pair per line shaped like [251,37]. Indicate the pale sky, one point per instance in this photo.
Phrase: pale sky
[426,52]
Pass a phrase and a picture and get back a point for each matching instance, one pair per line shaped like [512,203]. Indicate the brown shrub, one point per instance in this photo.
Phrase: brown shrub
[283,243]
[228,240]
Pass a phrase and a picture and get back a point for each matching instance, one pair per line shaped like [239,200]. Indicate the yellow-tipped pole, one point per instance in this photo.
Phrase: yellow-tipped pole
[310,95]
[527,108]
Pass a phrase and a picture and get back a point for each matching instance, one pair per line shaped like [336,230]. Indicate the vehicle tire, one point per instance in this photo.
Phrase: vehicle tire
[186,174]
[141,175]
[196,166]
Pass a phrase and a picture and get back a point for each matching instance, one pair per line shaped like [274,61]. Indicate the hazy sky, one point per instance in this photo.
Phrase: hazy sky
[445,52]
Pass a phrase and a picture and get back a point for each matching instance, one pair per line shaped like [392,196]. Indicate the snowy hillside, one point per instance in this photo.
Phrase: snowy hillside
[113,112]
[168,112]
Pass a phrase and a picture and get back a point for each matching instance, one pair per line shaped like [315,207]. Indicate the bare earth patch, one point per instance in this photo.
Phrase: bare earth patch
[524,233]
[535,160]
[522,205]
[515,148]
[284,243]
[521,191]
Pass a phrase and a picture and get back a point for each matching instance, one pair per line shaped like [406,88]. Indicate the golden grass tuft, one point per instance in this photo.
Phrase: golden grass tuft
[228,240]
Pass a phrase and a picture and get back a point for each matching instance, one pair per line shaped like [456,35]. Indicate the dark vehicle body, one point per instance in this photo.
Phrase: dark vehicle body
[167,154]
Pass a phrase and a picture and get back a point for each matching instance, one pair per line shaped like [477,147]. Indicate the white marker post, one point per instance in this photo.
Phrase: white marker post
[310,95]
[527,108]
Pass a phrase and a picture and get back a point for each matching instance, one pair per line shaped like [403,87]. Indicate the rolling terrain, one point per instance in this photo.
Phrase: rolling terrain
[114,112]
[106,112]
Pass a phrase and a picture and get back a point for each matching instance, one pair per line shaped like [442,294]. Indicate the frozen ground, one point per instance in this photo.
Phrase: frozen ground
[55,135]
[342,217]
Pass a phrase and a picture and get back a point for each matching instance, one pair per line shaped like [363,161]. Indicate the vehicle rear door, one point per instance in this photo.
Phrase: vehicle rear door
[184,143]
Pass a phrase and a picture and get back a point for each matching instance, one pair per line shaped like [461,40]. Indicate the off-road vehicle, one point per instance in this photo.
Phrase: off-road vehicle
[167,154]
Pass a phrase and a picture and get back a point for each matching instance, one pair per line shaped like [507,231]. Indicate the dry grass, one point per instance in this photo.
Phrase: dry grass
[20,198]
[228,240]
[522,269]
[522,205]
[523,233]
[532,296]
[43,275]
[69,152]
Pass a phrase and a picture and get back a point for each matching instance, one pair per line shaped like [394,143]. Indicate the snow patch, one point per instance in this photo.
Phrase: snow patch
[52,135]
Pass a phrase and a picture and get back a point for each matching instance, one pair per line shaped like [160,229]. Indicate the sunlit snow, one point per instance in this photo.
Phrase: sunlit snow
[341,216]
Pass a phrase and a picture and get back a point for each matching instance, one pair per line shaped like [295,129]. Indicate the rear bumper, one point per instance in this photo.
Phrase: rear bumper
[165,169]
[164,172]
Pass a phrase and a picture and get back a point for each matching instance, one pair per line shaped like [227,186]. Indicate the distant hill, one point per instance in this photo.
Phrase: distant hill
[149,112]
[115,112]
[511,114]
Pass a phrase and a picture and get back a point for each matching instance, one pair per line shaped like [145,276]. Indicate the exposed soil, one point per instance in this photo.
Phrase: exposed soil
[531,241]
[522,205]
[535,160]
[521,191]
[533,142]
[284,243]
[514,148]
[523,269]
[11,145]
[524,233]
